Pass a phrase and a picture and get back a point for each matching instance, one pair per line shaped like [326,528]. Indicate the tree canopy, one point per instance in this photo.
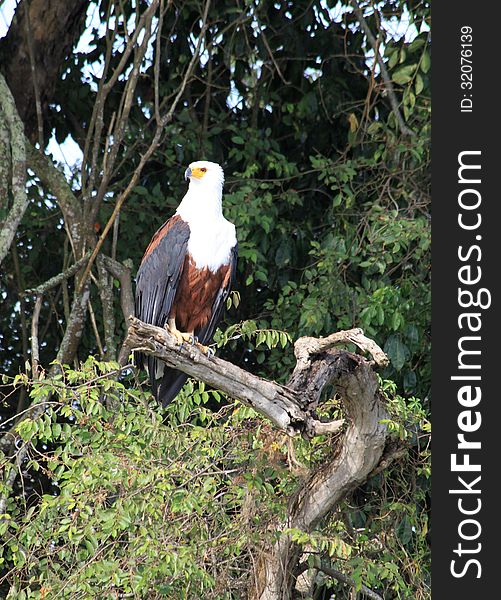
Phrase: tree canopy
[319,113]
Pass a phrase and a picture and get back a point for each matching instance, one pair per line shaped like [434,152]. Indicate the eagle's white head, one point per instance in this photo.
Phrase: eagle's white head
[212,237]
[203,200]
[205,174]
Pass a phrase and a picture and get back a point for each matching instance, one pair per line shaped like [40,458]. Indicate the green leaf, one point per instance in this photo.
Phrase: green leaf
[419,85]
[425,62]
[404,74]
[397,351]
[404,530]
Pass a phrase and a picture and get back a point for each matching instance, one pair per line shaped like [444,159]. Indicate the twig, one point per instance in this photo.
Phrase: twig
[114,241]
[126,103]
[96,124]
[270,52]
[57,279]
[35,354]
[156,71]
[384,71]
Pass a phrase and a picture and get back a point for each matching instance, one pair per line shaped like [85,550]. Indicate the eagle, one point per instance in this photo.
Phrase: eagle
[186,273]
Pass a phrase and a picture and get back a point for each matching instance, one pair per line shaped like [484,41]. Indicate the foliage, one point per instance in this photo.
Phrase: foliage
[141,506]
[331,204]
[178,507]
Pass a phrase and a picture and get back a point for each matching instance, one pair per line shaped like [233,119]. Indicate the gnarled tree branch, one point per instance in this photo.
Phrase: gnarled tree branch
[286,406]
[292,408]
[384,71]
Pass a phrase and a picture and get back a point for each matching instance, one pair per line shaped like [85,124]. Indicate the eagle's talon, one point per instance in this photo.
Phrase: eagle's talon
[188,338]
[209,352]
[180,336]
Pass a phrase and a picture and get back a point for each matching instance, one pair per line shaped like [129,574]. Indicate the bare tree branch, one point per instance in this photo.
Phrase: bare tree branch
[59,278]
[166,118]
[283,405]
[384,71]
[122,119]
[277,403]
[35,355]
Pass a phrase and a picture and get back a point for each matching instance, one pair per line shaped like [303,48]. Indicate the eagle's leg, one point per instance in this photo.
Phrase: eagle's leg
[180,336]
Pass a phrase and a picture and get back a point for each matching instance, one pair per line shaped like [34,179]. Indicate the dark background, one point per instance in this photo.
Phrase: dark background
[454,132]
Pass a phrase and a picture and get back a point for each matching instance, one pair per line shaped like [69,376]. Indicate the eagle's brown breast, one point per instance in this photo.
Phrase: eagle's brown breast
[197,290]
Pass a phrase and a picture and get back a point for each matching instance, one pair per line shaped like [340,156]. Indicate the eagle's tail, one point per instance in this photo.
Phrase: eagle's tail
[170,385]
[165,382]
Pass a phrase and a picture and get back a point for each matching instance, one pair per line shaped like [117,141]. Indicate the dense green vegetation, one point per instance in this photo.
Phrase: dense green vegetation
[330,198]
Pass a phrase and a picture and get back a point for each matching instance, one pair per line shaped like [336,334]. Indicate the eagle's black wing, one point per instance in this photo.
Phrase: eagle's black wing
[156,284]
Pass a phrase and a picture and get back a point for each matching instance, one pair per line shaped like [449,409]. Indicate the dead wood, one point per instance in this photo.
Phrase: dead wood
[292,408]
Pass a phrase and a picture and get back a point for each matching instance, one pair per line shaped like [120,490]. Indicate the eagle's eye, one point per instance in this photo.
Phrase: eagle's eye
[203,169]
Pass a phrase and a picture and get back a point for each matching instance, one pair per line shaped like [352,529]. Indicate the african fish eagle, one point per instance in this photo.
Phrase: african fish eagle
[186,273]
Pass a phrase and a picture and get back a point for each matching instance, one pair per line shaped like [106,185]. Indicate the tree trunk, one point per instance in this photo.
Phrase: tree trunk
[356,455]
[12,150]
[33,53]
